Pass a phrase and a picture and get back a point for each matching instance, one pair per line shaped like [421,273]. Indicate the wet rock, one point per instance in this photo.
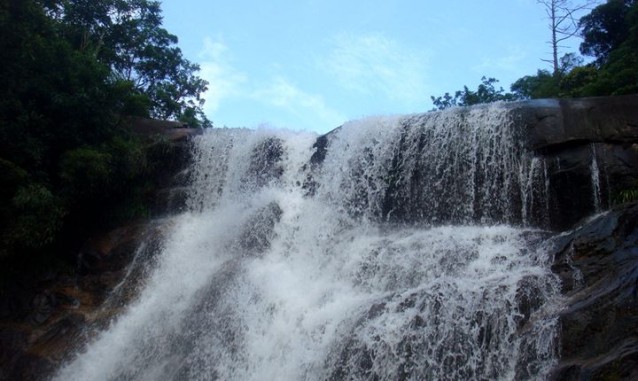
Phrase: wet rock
[599,327]
[170,201]
[554,122]
[528,298]
[61,331]
[30,367]
[375,310]
[43,305]
[13,342]
[320,146]
[259,230]
[570,135]
[265,163]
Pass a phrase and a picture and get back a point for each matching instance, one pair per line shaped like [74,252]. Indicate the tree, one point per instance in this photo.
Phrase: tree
[545,84]
[610,34]
[542,85]
[485,93]
[563,24]
[69,71]
[607,27]
[127,36]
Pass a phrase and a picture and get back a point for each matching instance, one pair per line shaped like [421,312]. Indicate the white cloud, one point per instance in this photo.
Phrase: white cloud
[374,64]
[277,97]
[224,81]
[284,95]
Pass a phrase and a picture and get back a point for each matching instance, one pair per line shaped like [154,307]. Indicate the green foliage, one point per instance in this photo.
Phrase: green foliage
[610,34]
[607,27]
[38,219]
[127,36]
[85,173]
[485,93]
[625,196]
[542,85]
[579,82]
[194,118]
[546,84]
[71,71]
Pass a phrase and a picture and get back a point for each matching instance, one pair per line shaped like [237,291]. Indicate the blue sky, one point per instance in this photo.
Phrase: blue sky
[314,64]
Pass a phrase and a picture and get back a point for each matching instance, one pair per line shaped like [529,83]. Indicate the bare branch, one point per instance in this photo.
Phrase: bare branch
[563,18]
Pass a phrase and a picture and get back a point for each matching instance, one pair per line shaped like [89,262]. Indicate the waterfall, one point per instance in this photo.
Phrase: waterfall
[595,180]
[400,252]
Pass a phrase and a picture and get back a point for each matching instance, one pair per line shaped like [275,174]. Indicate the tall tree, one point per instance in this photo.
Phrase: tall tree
[562,16]
[610,34]
[127,35]
[607,27]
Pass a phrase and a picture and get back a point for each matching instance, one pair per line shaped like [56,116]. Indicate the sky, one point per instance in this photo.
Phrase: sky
[315,64]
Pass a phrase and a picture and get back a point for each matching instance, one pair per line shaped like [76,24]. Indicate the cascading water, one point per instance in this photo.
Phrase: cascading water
[387,258]
[595,180]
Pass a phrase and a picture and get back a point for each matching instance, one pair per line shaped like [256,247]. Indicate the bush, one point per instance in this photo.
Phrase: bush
[85,173]
[38,215]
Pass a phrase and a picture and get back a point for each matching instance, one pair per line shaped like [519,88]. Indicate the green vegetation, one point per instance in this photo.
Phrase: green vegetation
[610,36]
[485,93]
[71,71]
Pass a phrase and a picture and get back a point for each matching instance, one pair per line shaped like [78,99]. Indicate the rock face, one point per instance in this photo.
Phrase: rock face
[67,308]
[598,264]
[576,137]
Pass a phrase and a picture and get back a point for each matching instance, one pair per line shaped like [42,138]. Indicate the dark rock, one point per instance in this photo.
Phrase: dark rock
[30,367]
[61,331]
[169,201]
[258,230]
[265,163]
[570,134]
[599,327]
[320,146]
[559,122]
[15,300]
[375,310]
[528,298]
[13,342]
[43,306]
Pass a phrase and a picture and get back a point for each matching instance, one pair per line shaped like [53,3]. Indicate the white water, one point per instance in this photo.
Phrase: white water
[261,281]
[595,179]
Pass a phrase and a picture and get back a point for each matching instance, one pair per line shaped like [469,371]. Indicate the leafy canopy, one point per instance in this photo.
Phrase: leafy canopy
[127,36]
[70,73]
[485,93]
